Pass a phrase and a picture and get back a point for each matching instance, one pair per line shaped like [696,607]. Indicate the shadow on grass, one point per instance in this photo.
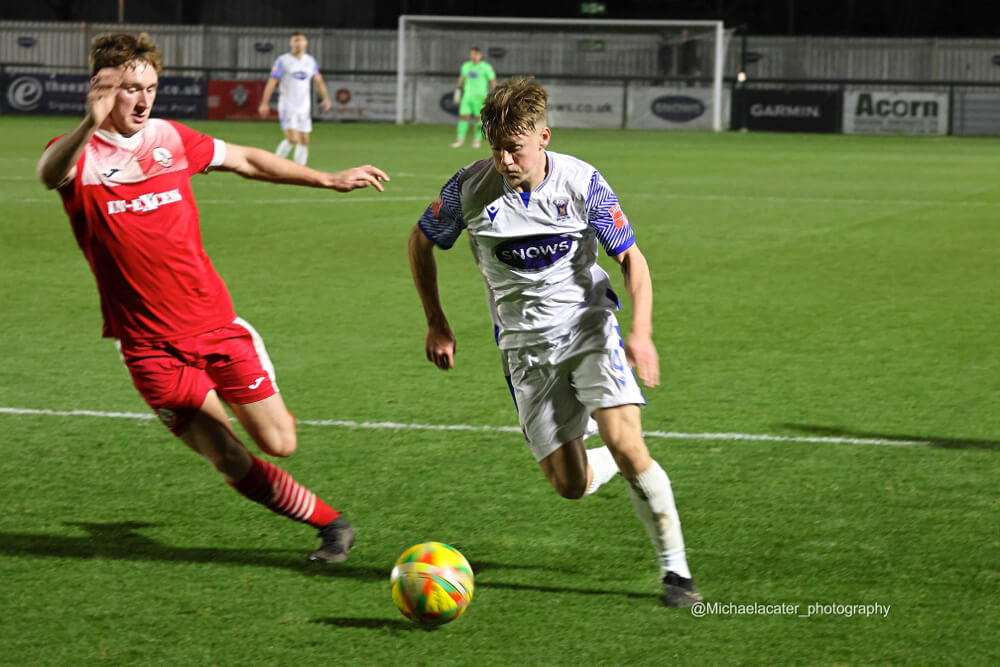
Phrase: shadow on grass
[932,440]
[371,624]
[120,541]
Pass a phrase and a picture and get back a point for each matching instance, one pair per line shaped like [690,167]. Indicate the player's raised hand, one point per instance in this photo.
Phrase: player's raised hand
[440,347]
[357,177]
[641,354]
[104,87]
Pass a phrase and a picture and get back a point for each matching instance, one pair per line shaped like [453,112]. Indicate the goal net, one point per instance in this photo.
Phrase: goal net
[599,72]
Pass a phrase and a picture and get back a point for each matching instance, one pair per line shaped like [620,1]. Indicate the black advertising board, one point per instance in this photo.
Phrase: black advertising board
[66,94]
[787,110]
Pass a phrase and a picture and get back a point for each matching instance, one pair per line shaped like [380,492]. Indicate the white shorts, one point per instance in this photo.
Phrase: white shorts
[299,120]
[555,400]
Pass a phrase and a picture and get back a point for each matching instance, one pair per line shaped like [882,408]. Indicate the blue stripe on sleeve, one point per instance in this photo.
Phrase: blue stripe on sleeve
[602,209]
[444,226]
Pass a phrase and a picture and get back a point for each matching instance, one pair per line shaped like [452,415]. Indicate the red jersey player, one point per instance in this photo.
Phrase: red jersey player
[125,182]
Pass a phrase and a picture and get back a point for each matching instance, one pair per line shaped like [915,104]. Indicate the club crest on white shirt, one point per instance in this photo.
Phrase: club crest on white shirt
[163,157]
[562,208]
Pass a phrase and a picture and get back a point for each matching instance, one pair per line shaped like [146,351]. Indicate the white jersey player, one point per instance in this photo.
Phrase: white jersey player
[535,219]
[292,74]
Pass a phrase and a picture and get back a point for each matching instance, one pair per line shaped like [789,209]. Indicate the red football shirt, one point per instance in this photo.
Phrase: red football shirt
[136,220]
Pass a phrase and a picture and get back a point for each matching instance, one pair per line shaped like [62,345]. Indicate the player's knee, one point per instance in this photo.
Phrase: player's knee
[571,489]
[280,442]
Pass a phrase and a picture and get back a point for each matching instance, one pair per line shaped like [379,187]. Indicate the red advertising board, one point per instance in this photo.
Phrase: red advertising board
[235,100]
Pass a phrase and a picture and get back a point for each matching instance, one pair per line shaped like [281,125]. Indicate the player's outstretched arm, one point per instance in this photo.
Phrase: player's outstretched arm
[440,342]
[639,348]
[262,165]
[57,165]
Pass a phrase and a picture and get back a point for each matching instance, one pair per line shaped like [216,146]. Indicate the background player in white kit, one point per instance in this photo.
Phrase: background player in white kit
[535,219]
[294,70]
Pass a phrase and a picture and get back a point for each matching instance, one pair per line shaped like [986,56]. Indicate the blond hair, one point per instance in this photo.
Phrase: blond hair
[121,49]
[517,106]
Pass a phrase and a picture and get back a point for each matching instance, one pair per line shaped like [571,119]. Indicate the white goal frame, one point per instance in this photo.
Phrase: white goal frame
[718,27]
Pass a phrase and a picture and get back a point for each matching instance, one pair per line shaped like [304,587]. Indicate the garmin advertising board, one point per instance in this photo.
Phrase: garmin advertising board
[658,108]
[787,110]
[883,112]
[66,94]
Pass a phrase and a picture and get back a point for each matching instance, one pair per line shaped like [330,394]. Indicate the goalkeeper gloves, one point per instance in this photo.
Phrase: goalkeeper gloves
[457,97]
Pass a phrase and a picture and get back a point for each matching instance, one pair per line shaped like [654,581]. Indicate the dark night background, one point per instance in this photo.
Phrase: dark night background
[893,18]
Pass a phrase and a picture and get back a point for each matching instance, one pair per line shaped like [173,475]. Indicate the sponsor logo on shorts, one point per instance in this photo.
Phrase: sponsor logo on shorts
[144,203]
[256,383]
[533,253]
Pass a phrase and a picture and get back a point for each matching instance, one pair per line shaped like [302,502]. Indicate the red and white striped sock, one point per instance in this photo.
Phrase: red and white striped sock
[275,489]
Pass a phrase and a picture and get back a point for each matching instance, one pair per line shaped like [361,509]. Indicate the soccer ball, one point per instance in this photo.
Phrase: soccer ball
[431,583]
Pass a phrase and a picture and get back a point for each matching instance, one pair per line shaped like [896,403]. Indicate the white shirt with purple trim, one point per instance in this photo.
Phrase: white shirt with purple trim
[538,250]
[294,76]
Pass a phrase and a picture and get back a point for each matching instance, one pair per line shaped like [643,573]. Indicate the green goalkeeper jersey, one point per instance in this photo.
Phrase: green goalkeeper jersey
[477,78]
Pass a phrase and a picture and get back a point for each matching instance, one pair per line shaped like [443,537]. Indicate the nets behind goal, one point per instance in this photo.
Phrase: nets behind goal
[586,64]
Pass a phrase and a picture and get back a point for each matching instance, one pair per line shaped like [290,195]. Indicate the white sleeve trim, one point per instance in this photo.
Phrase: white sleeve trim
[219,156]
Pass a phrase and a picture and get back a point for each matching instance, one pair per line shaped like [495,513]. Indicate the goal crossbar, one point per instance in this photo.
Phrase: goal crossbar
[717,27]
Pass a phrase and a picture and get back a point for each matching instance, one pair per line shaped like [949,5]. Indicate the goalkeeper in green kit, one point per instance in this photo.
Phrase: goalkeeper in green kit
[476,80]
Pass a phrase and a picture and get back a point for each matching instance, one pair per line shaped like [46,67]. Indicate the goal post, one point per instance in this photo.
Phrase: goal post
[607,56]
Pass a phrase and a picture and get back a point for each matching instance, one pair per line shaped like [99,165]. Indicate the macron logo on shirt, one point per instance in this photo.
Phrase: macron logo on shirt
[144,203]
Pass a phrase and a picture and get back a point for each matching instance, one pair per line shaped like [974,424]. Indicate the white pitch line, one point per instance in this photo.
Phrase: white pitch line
[639,195]
[345,423]
[812,200]
[324,202]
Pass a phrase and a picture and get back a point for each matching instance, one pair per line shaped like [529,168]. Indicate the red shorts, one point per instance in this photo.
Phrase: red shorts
[175,376]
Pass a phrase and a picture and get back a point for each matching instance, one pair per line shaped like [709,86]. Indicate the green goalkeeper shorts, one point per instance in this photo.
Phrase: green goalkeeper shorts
[470,105]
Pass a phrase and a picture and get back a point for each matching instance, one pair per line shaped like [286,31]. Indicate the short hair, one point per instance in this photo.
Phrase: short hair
[298,34]
[475,48]
[517,106]
[120,49]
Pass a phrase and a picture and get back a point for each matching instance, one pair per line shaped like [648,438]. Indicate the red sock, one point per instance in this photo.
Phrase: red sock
[274,488]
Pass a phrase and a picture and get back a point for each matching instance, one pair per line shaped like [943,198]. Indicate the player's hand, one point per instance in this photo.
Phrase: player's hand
[325,105]
[457,96]
[642,356]
[104,88]
[264,110]
[440,347]
[357,177]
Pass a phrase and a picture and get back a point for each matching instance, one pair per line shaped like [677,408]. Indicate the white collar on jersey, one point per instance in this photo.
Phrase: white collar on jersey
[128,143]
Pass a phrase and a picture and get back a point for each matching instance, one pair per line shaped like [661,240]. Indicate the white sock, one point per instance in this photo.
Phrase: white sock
[653,499]
[284,148]
[603,464]
[591,428]
[301,154]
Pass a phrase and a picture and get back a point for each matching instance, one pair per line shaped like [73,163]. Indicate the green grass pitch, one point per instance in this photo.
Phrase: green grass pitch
[808,289]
